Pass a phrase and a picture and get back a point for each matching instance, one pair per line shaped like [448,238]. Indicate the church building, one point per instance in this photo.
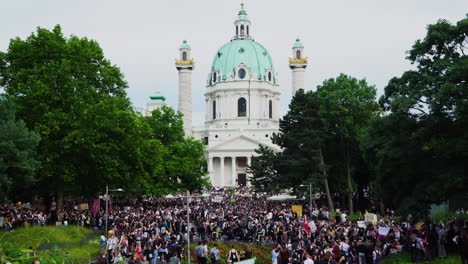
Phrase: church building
[242,100]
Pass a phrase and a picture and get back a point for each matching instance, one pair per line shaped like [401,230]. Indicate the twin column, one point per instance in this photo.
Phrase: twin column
[223,181]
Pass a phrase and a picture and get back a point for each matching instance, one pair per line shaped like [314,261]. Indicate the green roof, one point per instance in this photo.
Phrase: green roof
[242,14]
[157,98]
[185,45]
[242,11]
[245,51]
[298,44]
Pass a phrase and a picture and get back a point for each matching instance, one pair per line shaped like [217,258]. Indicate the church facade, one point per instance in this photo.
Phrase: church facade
[242,100]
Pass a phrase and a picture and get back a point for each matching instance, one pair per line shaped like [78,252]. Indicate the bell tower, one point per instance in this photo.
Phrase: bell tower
[185,65]
[298,64]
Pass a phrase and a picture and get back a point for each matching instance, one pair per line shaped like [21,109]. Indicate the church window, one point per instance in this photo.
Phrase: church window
[242,30]
[270,109]
[237,30]
[214,109]
[214,76]
[241,107]
[184,55]
[242,73]
[247,30]
[269,76]
[298,54]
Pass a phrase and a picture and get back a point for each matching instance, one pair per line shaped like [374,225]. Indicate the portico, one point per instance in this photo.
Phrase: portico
[230,170]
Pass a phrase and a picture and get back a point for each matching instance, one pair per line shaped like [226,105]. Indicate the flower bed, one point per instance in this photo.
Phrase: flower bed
[262,253]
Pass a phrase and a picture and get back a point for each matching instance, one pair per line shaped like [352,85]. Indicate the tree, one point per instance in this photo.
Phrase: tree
[54,82]
[184,163]
[17,153]
[347,107]
[265,170]
[427,121]
[301,139]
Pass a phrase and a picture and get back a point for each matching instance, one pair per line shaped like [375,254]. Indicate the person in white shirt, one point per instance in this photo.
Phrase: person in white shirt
[309,260]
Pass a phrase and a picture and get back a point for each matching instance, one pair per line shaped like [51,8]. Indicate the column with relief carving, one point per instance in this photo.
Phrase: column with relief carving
[210,170]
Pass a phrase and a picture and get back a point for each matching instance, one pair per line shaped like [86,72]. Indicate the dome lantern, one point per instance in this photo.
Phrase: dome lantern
[242,24]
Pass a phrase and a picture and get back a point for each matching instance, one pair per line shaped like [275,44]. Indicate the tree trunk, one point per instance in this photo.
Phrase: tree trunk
[59,196]
[325,181]
[382,207]
[350,185]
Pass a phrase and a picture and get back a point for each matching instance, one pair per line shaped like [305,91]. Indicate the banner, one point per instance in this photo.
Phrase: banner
[246,261]
[95,207]
[297,209]
[370,218]
[83,206]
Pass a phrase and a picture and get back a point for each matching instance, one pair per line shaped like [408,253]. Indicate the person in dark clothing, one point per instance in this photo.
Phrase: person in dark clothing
[463,244]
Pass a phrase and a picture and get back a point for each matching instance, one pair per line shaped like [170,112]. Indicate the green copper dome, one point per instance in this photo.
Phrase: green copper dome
[298,44]
[243,51]
[157,98]
[185,45]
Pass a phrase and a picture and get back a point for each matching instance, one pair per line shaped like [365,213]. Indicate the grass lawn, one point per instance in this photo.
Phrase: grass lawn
[405,259]
[69,244]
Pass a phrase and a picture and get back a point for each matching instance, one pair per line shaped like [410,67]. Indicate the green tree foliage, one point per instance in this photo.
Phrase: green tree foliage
[265,168]
[184,165]
[320,133]
[17,153]
[301,139]
[75,100]
[420,149]
[347,106]
[57,83]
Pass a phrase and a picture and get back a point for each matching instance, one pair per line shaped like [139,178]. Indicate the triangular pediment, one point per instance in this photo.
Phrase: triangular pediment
[239,142]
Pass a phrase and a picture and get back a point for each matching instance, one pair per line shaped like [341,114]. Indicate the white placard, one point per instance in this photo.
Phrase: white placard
[361,224]
[383,231]
[371,218]
[218,199]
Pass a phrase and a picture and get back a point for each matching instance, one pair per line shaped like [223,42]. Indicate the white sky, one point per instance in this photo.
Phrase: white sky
[363,38]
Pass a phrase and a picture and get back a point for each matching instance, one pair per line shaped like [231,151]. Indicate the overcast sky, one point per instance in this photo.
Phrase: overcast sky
[363,38]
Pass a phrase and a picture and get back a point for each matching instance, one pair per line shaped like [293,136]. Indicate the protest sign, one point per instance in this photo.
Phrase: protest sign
[297,209]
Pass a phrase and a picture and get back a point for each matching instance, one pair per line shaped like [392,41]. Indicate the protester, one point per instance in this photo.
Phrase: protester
[151,230]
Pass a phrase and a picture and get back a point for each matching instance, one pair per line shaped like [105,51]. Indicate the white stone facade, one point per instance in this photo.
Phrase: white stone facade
[242,103]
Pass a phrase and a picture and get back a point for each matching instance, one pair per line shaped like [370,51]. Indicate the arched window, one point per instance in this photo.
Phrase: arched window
[237,30]
[270,109]
[247,30]
[214,109]
[184,55]
[269,76]
[298,54]
[241,107]
[214,76]
[242,30]
[242,73]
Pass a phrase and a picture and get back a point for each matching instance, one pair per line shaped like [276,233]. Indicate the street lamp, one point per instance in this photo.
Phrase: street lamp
[107,209]
[310,195]
[188,196]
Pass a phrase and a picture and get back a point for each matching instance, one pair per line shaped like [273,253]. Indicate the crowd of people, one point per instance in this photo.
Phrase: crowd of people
[150,230]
